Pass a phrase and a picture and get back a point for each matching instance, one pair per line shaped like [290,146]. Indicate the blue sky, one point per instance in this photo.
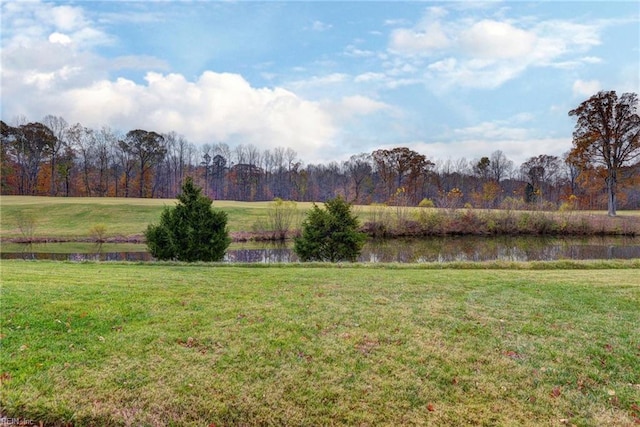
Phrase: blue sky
[327,78]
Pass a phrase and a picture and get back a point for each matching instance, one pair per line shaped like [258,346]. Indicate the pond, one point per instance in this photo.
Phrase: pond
[442,249]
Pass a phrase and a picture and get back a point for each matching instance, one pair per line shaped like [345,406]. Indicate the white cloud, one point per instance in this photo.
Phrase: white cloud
[491,131]
[591,60]
[26,23]
[59,38]
[50,67]
[558,39]
[586,87]
[473,142]
[356,105]
[355,52]
[496,40]
[427,37]
[362,105]
[369,77]
[446,65]
[486,53]
[67,18]
[320,26]
[319,81]
[479,74]
[418,41]
[216,107]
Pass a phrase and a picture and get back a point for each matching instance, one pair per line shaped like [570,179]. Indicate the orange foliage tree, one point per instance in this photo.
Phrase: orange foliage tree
[607,138]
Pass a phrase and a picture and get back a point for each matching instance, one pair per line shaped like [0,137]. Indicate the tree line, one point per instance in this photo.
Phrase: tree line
[52,157]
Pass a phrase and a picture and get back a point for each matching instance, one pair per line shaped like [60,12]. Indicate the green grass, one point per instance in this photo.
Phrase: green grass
[173,344]
[73,218]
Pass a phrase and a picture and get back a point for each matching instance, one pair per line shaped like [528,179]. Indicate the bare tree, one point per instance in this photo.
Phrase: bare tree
[359,169]
[83,141]
[104,140]
[541,173]
[59,127]
[500,166]
[148,149]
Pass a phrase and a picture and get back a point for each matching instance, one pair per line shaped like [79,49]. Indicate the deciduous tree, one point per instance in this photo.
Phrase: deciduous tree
[500,166]
[359,171]
[607,136]
[482,168]
[540,173]
[58,127]
[30,145]
[148,148]
[401,167]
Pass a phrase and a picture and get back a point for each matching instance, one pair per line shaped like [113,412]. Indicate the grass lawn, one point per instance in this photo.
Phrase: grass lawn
[172,344]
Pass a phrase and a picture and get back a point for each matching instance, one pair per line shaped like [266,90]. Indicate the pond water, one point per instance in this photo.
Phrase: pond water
[394,250]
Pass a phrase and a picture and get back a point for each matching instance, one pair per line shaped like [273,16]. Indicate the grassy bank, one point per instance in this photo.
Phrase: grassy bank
[417,222]
[47,218]
[170,344]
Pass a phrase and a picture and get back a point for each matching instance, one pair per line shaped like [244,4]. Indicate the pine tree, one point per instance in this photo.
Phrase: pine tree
[190,231]
[330,234]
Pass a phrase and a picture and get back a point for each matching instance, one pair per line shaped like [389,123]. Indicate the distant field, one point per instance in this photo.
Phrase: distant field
[72,218]
[171,344]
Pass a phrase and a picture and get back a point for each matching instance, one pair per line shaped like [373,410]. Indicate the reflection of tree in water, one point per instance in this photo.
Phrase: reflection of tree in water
[97,248]
[27,251]
[504,248]
[440,249]
[267,254]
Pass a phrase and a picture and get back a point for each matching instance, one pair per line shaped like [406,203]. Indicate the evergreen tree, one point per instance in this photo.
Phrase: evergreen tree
[330,234]
[190,231]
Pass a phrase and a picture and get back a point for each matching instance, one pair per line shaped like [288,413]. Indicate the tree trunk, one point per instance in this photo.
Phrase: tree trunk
[141,192]
[53,191]
[611,194]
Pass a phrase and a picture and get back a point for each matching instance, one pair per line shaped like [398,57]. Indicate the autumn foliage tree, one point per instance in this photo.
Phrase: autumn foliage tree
[607,137]
[400,168]
[30,145]
[148,149]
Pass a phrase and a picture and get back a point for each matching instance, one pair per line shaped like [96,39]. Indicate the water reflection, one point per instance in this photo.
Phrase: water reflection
[267,254]
[397,250]
[502,249]
[93,252]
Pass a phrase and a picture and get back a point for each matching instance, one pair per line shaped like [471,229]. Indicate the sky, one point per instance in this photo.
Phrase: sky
[328,79]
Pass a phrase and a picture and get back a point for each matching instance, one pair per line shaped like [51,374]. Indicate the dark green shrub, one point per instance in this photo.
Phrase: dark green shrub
[330,234]
[191,230]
